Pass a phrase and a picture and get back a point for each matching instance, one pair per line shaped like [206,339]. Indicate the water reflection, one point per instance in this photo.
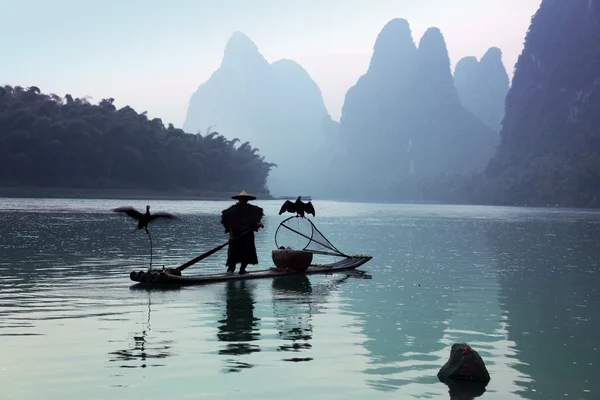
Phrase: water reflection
[522,287]
[548,270]
[404,309]
[477,318]
[240,327]
[295,302]
[464,390]
[440,287]
[142,352]
[292,310]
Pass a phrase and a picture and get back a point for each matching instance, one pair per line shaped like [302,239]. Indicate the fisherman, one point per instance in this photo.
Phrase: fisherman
[241,220]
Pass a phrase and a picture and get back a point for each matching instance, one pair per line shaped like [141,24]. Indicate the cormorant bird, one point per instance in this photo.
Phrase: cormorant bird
[297,207]
[143,221]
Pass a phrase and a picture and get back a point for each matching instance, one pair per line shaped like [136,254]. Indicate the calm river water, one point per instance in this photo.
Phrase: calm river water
[519,285]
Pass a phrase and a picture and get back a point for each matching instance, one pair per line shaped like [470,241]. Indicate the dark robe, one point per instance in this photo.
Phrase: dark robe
[238,219]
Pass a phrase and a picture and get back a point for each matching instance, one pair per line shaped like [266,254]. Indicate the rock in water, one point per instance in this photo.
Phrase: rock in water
[465,364]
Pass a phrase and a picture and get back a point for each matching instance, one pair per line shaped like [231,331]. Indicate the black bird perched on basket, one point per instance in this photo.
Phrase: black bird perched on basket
[143,219]
[297,207]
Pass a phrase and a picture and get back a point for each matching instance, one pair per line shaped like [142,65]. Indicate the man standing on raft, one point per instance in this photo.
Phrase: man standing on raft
[241,220]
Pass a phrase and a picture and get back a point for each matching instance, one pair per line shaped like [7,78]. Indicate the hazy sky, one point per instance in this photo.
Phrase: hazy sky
[153,54]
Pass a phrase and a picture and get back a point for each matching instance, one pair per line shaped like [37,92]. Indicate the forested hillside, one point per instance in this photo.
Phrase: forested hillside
[550,142]
[549,152]
[50,141]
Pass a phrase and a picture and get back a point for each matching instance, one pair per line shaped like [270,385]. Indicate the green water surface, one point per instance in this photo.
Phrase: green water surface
[520,285]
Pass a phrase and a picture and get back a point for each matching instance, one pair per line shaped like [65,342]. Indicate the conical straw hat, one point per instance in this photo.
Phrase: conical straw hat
[243,195]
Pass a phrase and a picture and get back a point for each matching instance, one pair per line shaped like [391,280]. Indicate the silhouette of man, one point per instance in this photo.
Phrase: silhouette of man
[238,220]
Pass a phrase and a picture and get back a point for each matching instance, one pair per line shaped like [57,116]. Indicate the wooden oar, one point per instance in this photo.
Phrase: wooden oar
[210,252]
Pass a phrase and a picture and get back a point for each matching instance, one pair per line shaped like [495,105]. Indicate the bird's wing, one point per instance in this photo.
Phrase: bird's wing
[309,208]
[287,206]
[162,215]
[132,212]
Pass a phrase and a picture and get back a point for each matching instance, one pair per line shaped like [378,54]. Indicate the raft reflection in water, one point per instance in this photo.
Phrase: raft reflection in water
[240,326]
[292,308]
[295,302]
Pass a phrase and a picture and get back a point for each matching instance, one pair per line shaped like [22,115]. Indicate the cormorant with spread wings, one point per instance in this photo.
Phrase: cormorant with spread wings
[143,219]
[297,207]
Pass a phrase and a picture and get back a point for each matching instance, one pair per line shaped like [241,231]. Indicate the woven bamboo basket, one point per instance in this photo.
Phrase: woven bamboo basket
[297,260]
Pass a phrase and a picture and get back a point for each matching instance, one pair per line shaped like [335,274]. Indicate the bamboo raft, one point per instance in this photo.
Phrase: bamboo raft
[174,277]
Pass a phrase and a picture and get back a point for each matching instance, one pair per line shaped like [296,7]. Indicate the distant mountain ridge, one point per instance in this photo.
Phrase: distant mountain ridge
[549,150]
[412,130]
[277,107]
[483,85]
[404,118]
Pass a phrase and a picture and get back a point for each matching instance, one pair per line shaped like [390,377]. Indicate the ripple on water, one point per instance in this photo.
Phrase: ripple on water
[511,282]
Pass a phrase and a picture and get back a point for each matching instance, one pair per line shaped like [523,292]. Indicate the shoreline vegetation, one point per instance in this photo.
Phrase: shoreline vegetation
[65,146]
[120,194]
